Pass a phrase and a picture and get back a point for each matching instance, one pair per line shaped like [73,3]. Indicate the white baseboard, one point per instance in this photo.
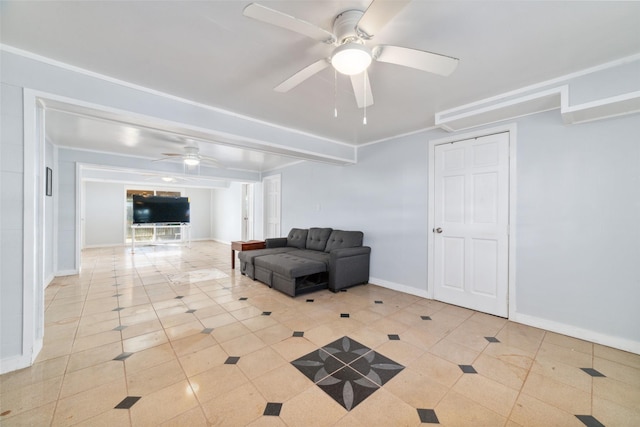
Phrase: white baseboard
[66,273]
[537,322]
[22,361]
[221,241]
[48,280]
[576,332]
[111,245]
[398,287]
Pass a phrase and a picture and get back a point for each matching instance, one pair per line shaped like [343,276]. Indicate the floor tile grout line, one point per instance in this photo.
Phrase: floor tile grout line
[526,377]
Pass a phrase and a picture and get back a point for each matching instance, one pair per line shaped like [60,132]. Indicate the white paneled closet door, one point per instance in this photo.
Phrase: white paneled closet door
[471,223]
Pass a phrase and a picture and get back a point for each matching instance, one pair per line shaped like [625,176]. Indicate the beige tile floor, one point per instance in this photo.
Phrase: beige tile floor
[169,296]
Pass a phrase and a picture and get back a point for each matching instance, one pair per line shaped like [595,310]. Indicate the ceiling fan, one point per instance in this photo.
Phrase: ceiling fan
[190,157]
[352,29]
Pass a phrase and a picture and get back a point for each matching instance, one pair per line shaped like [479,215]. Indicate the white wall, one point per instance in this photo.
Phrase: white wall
[104,212]
[200,199]
[226,213]
[577,227]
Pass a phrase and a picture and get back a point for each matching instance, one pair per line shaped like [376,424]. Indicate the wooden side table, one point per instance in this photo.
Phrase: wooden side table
[244,246]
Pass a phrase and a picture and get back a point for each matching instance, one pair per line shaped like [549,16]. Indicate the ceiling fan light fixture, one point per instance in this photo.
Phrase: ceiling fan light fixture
[351,58]
[191,160]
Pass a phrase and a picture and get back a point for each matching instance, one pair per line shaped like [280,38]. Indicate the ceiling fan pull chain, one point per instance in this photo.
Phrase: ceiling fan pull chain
[335,93]
[364,120]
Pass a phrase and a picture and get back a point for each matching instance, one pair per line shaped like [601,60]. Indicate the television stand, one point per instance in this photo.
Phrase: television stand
[185,230]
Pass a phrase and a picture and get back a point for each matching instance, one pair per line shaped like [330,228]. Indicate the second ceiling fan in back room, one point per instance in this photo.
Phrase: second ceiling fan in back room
[352,30]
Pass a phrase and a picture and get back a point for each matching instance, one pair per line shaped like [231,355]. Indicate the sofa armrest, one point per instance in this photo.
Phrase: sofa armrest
[348,267]
[278,242]
[347,252]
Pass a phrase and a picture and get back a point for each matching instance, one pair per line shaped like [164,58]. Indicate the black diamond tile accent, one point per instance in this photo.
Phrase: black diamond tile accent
[119,328]
[127,402]
[231,360]
[425,317]
[468,369]
[378,302]
[117,295]
[428,416]
[492,339]
[243,299]
[347,371]
[118,309]
[589,421]
[593,372]
[394,337]
[190,311]
[122,356]
[344,315]
[266,313]
[179,297]
[272,409]
[298,333]
[310,300]
[206,331]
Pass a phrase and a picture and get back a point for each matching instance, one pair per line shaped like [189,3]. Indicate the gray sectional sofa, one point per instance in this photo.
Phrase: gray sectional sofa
[309,259]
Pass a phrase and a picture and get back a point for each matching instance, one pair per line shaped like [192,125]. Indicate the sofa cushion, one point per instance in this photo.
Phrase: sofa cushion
[297,238]
[344,239]
[317,238]
[289,265]
[314,255]
[250,256]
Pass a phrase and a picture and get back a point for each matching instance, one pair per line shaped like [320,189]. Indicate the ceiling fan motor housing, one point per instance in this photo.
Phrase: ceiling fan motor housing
[344,26]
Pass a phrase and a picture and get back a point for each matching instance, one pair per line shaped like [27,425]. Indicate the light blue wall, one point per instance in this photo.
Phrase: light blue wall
[578,223]
[578,203]
[11,220]
[384,196]
[577,227]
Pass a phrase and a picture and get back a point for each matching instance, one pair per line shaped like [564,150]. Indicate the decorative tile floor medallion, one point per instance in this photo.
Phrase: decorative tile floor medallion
[347,371]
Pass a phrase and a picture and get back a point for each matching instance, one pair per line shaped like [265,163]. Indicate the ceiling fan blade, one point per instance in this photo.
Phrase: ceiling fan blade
[302,75]
[378,14]
[418,59]
[211,160]
[362,89]
[172,154]
[288,22]
[162,159]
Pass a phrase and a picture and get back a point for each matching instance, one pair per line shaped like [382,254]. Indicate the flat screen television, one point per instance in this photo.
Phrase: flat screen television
[160,209]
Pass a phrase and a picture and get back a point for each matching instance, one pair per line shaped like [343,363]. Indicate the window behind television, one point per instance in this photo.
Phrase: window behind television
[160,209]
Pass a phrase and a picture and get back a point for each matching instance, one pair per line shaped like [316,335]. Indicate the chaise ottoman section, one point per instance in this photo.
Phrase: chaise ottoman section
[291,274]
[247,259]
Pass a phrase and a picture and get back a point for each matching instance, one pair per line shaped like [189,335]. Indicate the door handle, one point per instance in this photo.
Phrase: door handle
[437,230]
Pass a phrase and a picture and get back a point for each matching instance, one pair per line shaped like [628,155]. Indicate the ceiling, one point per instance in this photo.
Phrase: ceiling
[208,52]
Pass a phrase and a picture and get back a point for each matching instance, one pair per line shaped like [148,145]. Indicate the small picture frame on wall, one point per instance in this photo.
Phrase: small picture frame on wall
[49,187]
